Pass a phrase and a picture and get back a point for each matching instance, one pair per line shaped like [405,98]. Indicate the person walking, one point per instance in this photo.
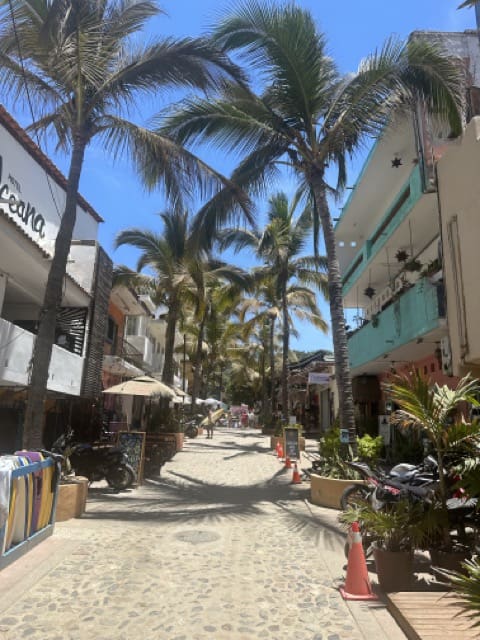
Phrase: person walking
[209,424]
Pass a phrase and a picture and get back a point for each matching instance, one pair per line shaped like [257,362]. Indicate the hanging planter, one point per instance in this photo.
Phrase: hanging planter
[413,265]
[369,292]
[401,255]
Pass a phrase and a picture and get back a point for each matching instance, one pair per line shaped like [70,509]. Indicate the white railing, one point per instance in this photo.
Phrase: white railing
[16,346]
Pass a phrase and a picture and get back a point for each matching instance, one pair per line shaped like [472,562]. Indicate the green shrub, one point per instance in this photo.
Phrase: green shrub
[369,449]
[333,455]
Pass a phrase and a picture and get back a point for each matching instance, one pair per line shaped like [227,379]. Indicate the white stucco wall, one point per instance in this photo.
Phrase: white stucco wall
[23,179]
[65,372]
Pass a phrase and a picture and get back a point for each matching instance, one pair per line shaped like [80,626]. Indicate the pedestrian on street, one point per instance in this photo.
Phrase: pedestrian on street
[209,424]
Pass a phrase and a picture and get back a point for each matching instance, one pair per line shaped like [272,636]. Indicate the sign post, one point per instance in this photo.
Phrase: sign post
[133,443]
[291,443]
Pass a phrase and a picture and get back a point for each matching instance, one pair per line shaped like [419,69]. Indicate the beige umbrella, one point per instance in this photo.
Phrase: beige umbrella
[142,386]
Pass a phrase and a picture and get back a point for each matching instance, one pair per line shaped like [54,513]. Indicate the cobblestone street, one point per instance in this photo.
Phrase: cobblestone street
[221,546]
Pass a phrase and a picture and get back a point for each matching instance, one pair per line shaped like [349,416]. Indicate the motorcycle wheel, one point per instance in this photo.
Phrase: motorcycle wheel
[120,477]
[191,431]
[353,495]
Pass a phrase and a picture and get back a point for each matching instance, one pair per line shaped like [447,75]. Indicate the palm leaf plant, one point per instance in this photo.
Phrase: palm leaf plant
[81,70]
[435,411]
[466,586]
[309,117]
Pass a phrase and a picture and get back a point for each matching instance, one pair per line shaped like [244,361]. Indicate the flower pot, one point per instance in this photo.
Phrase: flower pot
[72,498]
[179,439]
[394,569]
[449,560]
[326,492]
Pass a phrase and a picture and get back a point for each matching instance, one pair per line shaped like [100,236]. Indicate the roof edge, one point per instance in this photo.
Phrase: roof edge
[22,137]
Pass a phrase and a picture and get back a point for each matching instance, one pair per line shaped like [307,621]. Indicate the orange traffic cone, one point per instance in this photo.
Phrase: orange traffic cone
[288,464]
[357,585]
[277,448]
[296,479]
[280,450]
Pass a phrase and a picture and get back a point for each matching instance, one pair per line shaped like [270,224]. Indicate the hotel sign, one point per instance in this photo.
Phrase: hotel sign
[12,204]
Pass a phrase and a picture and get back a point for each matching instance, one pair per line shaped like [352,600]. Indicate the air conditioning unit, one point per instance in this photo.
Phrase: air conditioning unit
[446,356]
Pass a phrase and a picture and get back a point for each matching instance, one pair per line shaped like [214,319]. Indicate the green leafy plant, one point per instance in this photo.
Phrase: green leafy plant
[434,411]
[333,456]
[369,448]
[467,587]
[413,265]
[400,528]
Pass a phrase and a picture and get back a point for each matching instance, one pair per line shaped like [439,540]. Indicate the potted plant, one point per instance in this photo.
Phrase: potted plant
[396,532]
[413,265]
[435,411]
[332,475]
[466,585]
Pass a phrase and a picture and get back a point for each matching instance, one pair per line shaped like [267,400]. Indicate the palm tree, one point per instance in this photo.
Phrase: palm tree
[280,245]
[164,254]
[311,118]
[77,63]
[210,286]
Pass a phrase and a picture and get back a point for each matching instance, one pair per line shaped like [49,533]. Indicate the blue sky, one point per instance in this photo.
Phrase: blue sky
[353,30]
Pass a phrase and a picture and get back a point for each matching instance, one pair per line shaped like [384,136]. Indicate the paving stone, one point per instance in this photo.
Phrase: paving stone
[220,546]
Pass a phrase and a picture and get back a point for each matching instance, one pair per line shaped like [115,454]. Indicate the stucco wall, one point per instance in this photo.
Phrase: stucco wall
[459,188]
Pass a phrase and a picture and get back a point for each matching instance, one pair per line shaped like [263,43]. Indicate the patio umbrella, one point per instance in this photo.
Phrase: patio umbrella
[142,386]
[212,401]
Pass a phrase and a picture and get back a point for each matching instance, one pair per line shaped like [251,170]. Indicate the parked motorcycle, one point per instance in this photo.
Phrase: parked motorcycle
[96,462]
[381,488]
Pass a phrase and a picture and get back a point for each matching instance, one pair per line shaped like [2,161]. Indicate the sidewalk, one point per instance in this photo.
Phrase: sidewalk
[221,546]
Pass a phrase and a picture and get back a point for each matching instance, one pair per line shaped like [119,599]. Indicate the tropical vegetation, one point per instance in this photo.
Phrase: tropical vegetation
[309,117]
[80,69]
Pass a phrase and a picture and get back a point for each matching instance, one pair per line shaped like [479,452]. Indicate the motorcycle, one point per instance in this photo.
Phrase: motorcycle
[96,462]
[381,488]
[411,482]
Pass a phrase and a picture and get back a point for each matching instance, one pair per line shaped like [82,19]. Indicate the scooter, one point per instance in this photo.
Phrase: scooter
[96,462]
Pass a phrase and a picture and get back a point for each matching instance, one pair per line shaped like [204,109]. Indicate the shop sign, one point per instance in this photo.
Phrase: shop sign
[318,378]
[16,207]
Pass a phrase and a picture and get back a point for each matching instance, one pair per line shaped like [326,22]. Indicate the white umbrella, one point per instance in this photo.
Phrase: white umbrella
[142,386]
[212,401]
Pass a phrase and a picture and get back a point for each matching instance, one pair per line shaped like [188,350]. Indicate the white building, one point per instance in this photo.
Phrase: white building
[32,200]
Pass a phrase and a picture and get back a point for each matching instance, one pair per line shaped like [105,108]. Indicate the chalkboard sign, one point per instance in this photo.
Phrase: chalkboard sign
[133,443]
[292,445]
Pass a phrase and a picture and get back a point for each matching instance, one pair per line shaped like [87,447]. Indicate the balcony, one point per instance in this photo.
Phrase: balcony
[16,346]
[404,331]
[124,360]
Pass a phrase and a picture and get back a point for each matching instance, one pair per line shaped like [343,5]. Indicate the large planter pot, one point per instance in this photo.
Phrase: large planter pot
[179,439]
[326,492]
[449,560]
[394,569]
[72,499]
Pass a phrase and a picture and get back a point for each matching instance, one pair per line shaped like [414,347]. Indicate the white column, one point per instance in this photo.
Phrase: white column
[3,287]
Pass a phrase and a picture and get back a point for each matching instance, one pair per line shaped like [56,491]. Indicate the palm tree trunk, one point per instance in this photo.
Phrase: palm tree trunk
[272,366]
[335,293]
[42,351]
[286,345]
[264,379]
[172,317]
[197,373]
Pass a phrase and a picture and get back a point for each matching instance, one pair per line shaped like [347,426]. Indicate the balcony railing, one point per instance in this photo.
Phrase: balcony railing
[413,314]
[396,213]
[16,346]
